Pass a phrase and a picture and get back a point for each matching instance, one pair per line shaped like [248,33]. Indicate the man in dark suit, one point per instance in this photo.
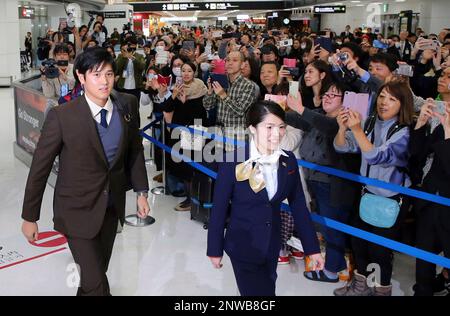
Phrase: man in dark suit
[96,137]
[404,47]
[347,33]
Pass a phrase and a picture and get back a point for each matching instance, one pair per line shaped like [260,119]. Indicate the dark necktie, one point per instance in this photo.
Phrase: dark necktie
[103,121]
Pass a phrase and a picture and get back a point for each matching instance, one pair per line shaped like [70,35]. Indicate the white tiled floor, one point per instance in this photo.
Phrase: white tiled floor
[167,258]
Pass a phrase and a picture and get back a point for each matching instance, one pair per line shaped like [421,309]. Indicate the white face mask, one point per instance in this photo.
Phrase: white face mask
[398,44]
[204,67]
[159,49]
[339,43]
[177,71]
[303,46]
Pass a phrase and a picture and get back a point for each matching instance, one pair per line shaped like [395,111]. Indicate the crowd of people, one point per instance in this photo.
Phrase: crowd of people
[401,136]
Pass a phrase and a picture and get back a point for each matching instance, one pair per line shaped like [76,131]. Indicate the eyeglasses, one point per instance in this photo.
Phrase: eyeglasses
[331,95]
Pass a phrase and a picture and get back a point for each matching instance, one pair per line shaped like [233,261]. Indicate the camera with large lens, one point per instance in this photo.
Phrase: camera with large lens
[51,70]
[349,76]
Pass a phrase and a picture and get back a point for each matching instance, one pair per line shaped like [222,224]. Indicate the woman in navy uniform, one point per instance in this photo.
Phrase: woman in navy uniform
[256,186]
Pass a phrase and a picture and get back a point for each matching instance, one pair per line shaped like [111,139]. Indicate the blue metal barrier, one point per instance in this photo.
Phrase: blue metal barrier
[382,241]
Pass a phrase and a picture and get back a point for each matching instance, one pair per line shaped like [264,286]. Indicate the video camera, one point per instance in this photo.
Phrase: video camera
[51,70]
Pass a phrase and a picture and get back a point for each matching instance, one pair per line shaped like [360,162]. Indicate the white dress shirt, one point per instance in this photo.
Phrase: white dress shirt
[95,109]
[269,165]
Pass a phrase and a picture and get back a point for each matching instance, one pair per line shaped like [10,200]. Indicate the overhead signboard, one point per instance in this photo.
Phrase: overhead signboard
[207,6]
[114,14]
[330,9]
[26,13]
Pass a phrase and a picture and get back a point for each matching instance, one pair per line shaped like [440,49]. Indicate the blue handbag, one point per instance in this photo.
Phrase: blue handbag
[379,211]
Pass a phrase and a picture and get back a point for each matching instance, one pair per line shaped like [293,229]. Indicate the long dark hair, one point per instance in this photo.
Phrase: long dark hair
[322,67]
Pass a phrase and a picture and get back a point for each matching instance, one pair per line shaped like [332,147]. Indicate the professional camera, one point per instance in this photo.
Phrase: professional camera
[343,57]
[51,70]
[348,76]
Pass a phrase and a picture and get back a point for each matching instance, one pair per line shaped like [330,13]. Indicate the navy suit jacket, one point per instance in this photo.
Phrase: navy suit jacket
[254,230]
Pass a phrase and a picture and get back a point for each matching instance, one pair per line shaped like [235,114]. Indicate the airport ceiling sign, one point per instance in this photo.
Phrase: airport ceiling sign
[207,6]
[330,9]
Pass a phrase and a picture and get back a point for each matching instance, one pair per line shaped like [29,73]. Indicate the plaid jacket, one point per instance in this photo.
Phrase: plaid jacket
[231,110]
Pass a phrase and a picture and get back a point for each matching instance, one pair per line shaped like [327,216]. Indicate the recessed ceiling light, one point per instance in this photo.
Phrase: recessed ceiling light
[355,1]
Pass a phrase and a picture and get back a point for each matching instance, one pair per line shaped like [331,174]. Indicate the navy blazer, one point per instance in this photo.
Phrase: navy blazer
[254,230]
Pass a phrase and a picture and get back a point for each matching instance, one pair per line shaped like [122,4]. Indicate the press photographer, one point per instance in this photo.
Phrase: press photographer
[57,74]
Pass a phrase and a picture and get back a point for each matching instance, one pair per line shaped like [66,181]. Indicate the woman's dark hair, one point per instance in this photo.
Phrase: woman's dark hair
[402,92]
[308,42]
[56,34]
[322,67]
[182,58]
[259,110]
[82,27]
[201,48]
[190,64]
[254,68]
[92,58]
[95,24]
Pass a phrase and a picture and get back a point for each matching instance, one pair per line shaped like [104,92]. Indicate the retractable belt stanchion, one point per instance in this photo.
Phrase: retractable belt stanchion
[150,160]
[162,189]
[133,219]
[136,221]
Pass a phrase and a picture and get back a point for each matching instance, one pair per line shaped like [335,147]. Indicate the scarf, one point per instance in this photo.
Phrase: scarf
[196,89]
[246,171]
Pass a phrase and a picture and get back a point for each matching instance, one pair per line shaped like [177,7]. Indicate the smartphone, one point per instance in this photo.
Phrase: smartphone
[217,34]
[429,44]
[293,88]
[440,107]
[324,43]
[357,102]
[380,45]
[404,70]
[285,43]
[188,45]
[165,80]
[162,58]
[276,33]
[265,36]
[227,35]
[290,65]
[236,35]
[220,78]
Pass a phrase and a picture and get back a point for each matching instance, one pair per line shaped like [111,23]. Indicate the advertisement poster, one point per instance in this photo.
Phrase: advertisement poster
[30,114]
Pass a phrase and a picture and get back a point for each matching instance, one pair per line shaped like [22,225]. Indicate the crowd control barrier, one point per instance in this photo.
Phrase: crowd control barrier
[356,232]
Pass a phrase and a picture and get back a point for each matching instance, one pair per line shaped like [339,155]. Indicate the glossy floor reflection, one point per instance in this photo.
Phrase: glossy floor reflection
[166,258]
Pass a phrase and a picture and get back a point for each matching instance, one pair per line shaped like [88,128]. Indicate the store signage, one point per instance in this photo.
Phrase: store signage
[26,13]
[115,14]
[207,6]
[330,9]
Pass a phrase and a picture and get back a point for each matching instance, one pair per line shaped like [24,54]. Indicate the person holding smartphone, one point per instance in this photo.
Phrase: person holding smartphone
[130,66]
[430,146]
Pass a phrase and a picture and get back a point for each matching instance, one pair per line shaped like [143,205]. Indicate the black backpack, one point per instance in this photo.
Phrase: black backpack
[369,125]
